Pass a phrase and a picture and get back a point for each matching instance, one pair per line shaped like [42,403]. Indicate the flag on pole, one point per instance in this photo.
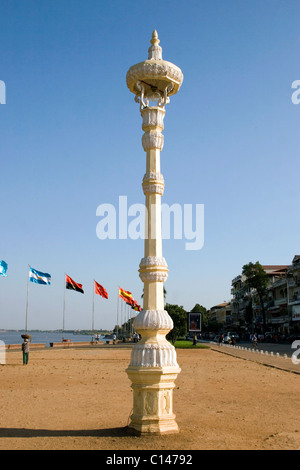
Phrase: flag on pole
[125,295]
[72,285]
[135,306]
[38,277]
[99,290]
[3,268]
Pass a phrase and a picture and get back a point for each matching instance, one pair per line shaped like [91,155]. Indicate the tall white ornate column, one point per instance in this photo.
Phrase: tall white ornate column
[153,368]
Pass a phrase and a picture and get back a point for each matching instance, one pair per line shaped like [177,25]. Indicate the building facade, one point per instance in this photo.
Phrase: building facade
[281,302]
[221,314]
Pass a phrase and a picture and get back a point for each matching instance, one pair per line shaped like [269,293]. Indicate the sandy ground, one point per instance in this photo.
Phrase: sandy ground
[82,399]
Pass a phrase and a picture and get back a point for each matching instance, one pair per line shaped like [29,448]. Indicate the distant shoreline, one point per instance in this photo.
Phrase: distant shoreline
[75,332]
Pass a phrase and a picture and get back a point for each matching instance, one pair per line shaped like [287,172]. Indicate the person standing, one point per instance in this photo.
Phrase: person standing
[25,349]
[254,341]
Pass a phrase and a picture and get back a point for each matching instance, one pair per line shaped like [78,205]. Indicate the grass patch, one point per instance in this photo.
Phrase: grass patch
[190,345]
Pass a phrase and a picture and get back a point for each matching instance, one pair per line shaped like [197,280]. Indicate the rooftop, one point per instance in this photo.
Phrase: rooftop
[270,269]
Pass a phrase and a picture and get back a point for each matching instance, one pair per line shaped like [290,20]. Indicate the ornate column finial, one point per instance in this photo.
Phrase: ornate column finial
[155,51]
[154,80]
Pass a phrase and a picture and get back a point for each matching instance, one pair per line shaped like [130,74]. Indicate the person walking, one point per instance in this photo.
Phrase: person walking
[254,341]
[25,349]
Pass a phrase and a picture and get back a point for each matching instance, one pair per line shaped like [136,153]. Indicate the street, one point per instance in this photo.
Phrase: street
[270,347]
[274,347]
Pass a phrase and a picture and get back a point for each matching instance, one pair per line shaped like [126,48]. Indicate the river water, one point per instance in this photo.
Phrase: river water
[47,337]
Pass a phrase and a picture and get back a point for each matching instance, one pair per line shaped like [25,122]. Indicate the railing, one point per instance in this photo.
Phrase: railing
[294,298]
[280,282]
[281,301]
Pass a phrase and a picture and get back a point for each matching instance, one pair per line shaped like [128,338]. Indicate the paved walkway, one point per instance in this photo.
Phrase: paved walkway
[248,354]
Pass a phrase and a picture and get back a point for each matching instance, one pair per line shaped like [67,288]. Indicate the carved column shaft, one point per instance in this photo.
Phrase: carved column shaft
[153,366]
[153,267]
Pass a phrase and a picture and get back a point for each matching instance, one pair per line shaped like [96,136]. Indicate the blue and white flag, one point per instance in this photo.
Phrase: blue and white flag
[3,268]
[38,277]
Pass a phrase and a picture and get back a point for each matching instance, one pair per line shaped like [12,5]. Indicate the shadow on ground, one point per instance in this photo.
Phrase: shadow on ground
[29,433]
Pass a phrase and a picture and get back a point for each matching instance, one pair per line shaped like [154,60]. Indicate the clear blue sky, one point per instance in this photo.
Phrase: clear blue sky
[71,140]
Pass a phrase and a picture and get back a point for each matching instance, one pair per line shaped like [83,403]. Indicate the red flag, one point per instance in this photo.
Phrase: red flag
[72,285]
[99,290]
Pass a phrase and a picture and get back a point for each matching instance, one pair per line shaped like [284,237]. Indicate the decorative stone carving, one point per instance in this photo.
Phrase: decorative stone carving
[165,402]
[157,276]
[152,140]
[150,403]
[153,118]
[153,189]
[154,79]
[153,261]
[153,268]
[153,183]
[153,320]
[152,177]
[161,71]
[154,355]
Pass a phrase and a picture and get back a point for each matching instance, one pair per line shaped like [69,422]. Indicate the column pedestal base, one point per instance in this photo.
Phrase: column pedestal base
[153,400]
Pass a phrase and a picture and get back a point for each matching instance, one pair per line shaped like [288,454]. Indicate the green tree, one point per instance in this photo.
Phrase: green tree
[257,278]
[179,317]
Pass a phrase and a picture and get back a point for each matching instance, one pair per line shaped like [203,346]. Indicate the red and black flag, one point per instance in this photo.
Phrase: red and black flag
[72,285]
[99,290]
[135,306]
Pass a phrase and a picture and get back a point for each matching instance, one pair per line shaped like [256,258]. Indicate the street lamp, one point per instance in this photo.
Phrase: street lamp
[153,367]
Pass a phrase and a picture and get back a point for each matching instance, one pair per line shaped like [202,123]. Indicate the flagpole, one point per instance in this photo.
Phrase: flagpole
[64,309]
[93,316]
[27,301]
[121,315]
[127,321]
[118,304]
